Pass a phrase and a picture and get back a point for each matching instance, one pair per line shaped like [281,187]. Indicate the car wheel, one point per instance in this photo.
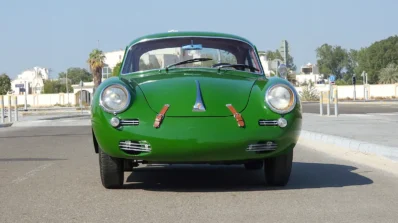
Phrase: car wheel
[277,169]
[112,171]
[254,165]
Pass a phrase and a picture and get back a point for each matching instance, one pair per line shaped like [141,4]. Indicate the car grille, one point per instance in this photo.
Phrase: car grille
[262,147]
[127,122]
[263,122]
[135,147]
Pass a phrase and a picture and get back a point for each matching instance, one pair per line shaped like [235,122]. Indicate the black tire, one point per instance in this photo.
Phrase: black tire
[277,169]
[254,165]
[111,170]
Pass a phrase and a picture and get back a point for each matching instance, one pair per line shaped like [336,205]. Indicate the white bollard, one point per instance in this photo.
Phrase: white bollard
[9,108]
[2,108]
[16,108]
[328,98]
[336,105]
[321,103]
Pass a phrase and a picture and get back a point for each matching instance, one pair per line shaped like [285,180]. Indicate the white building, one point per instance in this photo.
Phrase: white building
[309,72]
[33,77]
[111,59]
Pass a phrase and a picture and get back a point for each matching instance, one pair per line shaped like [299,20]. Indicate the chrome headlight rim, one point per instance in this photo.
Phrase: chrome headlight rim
[124,89]
[293,104]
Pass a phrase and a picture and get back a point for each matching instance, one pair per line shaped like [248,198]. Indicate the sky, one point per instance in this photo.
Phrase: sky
[59,34]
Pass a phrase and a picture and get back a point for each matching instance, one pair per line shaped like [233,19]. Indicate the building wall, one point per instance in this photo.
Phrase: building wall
[113,58]
[374,91]
[42,100]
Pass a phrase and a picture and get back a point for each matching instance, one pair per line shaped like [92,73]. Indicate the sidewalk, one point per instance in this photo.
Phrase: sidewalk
[374,133]
[26,120]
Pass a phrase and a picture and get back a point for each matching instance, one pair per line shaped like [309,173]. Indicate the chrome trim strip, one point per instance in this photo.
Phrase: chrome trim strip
[133,146]
[174,37]
[199,105]
[129,122]
[269,146]
[268,122]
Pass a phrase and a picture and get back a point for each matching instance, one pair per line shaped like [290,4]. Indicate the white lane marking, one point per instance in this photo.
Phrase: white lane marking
[31,173]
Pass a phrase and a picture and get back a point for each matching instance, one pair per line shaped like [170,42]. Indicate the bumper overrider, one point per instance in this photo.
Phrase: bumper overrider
[140,133]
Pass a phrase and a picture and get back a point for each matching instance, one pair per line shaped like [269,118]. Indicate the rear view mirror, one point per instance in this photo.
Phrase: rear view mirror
[192,47]
[282,70]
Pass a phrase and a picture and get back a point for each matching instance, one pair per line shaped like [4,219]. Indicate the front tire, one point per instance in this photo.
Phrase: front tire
[277,169]
[111,170]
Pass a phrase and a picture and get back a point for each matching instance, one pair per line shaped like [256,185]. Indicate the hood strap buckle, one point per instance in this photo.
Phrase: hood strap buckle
[237,116]
[159,117]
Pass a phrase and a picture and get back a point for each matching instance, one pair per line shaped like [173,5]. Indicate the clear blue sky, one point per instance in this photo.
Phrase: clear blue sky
[58,34]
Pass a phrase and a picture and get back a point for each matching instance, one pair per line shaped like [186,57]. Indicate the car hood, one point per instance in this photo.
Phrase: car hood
[181,90]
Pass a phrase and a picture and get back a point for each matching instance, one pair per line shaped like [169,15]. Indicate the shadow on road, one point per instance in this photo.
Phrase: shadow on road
[183,178]
[27,159]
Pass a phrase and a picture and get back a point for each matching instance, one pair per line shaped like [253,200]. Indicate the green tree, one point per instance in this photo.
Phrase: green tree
[116,69]
[332,60]
[5,84]
[272,55]
[55,86]
[96,63]
[376,57]
[76,74]
[389,74]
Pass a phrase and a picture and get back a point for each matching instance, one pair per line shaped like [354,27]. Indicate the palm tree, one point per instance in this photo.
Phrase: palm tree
[389,74]
[96,63]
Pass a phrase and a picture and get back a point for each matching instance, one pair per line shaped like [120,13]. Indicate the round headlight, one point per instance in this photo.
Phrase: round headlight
[280,98]
[115,98]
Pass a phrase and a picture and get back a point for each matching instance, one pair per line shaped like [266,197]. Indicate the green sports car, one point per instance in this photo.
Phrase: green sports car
[195,98]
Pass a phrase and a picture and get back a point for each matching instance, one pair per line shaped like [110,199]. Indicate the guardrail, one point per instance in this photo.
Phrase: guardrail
[327,97]
[12,100]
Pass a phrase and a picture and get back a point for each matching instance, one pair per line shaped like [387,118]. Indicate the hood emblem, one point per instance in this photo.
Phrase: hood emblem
[199,105]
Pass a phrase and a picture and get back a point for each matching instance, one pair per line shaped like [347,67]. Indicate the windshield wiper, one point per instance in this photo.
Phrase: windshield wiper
[238,65]
[187,61]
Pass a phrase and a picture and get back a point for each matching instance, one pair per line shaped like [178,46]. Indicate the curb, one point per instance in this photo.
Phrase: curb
[65,117]
[355,145]
[4,125]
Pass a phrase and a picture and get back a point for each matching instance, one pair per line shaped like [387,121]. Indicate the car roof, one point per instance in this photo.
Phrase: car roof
[190,34]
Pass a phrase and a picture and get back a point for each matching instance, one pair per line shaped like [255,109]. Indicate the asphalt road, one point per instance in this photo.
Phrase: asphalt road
[357,108]
[51,174]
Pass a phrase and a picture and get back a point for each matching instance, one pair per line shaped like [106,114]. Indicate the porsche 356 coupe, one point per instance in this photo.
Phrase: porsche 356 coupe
[195,98]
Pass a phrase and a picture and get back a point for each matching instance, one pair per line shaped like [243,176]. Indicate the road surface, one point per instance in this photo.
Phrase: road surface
[51,174]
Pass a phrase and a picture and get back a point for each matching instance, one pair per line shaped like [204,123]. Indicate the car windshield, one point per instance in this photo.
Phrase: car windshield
[160,53]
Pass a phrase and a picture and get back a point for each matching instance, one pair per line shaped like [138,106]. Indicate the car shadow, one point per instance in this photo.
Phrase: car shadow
[28,159]
[206,178]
